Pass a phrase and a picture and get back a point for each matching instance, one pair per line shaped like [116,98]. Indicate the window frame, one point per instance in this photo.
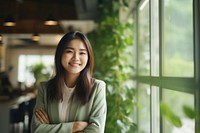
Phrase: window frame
[196,11]
[189,85]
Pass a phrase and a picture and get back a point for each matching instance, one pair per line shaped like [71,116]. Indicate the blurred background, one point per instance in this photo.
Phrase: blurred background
[147,52]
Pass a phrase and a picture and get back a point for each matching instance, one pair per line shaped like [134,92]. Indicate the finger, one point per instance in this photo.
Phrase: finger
[42,116]
[45,114]
[86,124]
[83,125]
[39,118]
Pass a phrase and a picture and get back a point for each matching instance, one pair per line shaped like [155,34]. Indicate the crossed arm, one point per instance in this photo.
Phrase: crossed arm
[43,118]
[41,121]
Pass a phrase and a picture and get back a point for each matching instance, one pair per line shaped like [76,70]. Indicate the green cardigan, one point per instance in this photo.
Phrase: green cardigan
[93,112]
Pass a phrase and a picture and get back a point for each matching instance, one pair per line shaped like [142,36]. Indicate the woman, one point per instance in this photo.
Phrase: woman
[72,101]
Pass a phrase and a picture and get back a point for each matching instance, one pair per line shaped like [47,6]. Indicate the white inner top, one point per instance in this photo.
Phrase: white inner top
[64,106]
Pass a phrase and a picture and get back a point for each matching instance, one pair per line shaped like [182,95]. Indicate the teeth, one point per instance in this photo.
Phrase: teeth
[74,64]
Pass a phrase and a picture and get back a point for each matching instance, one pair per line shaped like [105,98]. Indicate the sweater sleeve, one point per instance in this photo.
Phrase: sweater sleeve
[37,127]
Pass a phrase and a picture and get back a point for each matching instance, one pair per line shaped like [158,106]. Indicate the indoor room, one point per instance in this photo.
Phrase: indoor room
[146,63]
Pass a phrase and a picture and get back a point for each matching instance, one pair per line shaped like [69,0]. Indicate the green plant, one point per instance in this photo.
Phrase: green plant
[176,118]
[169,115]
[39,72]
[112,43]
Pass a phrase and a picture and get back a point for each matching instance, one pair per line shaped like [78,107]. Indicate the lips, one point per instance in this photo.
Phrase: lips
[74,64]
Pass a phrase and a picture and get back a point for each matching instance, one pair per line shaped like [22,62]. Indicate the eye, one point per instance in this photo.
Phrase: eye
[68,51]
[82,53]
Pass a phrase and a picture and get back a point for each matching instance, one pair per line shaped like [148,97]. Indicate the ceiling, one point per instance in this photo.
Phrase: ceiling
[30,14]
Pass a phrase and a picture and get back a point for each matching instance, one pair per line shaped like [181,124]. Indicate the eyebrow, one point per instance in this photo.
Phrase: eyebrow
[73,49]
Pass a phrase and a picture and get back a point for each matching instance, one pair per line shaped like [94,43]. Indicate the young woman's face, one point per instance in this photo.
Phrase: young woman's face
[74,57]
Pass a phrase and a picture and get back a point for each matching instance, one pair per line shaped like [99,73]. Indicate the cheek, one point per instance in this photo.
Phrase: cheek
[85,60]
[63,59]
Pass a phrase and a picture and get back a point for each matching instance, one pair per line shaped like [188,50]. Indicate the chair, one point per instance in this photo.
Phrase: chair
[17,116]
[30,108]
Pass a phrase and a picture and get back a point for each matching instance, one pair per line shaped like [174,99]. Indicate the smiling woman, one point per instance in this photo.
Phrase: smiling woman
[72,100]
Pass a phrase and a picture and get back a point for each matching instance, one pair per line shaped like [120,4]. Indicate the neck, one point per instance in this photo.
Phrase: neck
[71,79]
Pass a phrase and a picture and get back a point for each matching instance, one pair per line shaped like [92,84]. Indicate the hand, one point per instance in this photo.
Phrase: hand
[42,116]
[79,126]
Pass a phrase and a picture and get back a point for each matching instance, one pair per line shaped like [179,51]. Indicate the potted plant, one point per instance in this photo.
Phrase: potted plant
[39,72]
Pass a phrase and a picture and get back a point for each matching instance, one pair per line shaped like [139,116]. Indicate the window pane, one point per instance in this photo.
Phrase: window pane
[176,101]
[178,38]
[143,108]
[154,38]
[155,109]
[143,40]
[26,61]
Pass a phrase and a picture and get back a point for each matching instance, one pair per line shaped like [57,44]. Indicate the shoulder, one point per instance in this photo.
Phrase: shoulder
[99,91]
[99,85]
[98,82]
[43,86]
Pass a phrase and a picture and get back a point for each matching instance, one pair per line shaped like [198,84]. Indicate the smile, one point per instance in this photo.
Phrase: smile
[74,64]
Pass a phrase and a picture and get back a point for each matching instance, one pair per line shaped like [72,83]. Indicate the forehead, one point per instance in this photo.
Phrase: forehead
[76,44]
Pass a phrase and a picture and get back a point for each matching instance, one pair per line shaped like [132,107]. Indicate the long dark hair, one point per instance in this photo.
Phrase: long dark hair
[85,81]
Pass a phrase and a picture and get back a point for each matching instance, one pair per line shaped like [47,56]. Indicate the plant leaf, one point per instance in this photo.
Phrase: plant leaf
[189,112]
[169,115]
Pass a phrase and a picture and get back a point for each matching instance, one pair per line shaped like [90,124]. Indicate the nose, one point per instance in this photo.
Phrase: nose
[76,56]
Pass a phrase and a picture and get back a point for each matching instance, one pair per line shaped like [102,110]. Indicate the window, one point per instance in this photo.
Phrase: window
[178,38]
[26,61]
[166,70]
[176,101]
[144,108]
[143,39]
